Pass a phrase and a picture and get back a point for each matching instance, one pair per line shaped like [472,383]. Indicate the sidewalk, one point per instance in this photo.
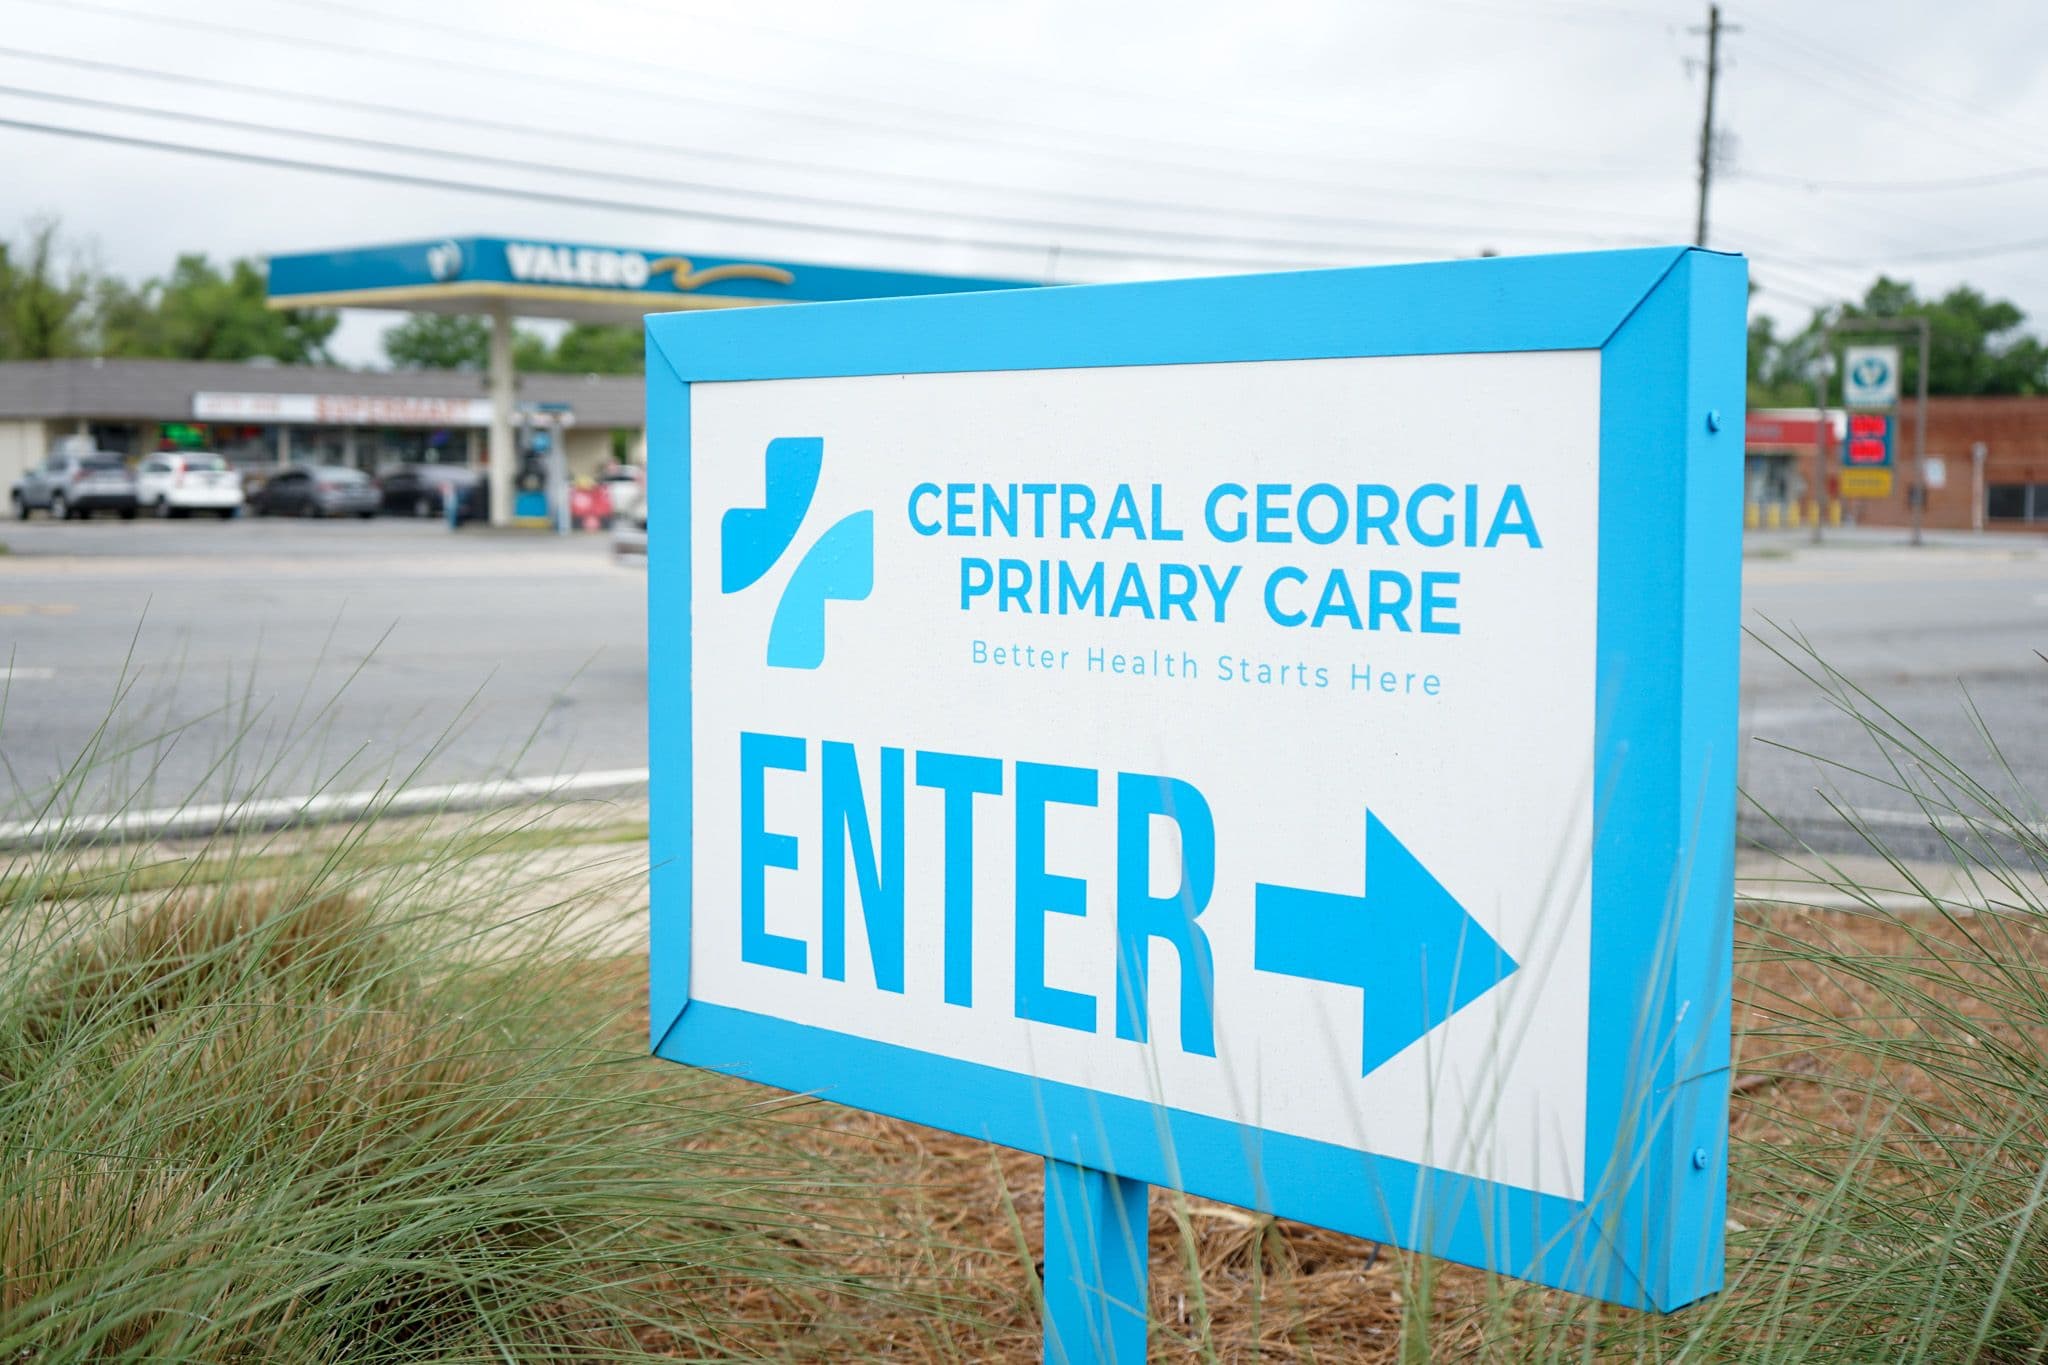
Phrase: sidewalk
[1816,882]
[577,872]
[1770,544]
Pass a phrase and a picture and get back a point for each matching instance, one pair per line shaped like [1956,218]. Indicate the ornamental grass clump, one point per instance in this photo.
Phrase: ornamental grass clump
[1889,1191]
[323,1116]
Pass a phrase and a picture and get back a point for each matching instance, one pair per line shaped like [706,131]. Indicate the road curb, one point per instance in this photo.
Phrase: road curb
[287,812]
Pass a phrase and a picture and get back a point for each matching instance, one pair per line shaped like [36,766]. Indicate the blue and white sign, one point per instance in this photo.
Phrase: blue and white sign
[1870,376]
[1269,736]
[547,276]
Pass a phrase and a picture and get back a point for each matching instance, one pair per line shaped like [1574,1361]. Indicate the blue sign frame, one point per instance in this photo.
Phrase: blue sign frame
[1669,326]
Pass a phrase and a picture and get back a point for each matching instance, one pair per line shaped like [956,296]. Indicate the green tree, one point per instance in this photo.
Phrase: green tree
[42,306]
[592,348]
[201,312]
[1781,367]
[439,341]
[122,317]
[197,312]
[436,341]
[1977,345]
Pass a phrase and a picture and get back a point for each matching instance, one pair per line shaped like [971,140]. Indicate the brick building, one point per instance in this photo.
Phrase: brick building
[1987,466]
[2009,492]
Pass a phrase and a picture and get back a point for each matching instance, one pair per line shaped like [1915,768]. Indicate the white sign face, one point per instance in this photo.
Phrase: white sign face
[1870,376]
[1345,608]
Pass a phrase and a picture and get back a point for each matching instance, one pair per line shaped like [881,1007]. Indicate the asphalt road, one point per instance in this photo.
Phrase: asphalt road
[1943,637]
[250,656]
[288,657]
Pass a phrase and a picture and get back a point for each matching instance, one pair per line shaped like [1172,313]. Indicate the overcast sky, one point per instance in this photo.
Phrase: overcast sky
[1061,139]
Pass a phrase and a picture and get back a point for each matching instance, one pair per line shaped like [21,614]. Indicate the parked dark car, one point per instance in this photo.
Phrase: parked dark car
[321,490]
[76,483]
[423,490]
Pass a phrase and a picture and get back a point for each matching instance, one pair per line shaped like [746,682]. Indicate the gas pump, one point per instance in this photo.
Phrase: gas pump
[541,486]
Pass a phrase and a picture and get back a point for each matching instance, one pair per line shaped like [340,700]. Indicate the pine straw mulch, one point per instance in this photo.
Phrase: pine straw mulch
[949,1228]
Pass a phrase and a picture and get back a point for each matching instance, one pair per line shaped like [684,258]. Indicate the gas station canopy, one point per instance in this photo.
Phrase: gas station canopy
[584,283]
[507,277]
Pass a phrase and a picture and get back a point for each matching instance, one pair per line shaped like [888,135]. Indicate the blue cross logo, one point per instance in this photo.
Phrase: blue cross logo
[839,566]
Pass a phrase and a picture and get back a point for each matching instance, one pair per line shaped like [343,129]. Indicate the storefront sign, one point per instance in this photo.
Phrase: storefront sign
[1870,376]
[1866,483]
[326,409]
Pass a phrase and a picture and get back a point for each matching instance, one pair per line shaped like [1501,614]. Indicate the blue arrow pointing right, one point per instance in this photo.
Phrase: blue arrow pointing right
[1407,943]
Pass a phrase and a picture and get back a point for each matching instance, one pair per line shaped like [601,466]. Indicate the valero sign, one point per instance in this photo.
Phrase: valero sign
[1273,737]
[544,277]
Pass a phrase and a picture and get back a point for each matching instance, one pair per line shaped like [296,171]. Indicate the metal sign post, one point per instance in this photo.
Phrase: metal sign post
[1095,1266]
[1198,732]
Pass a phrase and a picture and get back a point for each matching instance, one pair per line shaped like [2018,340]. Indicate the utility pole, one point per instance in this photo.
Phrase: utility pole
[1713,32]
[1821,373]
[1919,494]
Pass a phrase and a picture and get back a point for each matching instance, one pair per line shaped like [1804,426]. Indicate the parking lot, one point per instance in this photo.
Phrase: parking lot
[203,659]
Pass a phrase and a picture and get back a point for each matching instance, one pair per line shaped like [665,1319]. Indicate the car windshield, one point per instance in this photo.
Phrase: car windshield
[209,463]
[330,473]
[105,463]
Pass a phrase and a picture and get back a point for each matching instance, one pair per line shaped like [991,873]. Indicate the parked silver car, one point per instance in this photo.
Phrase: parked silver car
[76,483]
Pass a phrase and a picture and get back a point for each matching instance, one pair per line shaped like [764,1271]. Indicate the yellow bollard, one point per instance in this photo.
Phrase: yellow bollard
[1774,515]
[1752,516]
[1835,512]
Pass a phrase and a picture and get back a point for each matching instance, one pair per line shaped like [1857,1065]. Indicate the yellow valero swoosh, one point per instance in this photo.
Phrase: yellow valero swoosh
[686,278]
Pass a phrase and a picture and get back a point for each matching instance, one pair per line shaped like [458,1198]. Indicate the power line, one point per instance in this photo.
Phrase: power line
[1979,252]
[1849,91]
[929,127]
[1908,89]
[843,44]
[1814,301]
[1989,180]
[921,115]
[1918,225]
[388,109]
[623,205]
[1845,282]
[1283,245]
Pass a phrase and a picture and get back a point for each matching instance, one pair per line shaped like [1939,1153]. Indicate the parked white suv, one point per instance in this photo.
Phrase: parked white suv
[181,482]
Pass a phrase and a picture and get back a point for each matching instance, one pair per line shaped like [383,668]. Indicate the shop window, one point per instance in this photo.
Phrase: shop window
[119,437]
[2017,502]
[244,446]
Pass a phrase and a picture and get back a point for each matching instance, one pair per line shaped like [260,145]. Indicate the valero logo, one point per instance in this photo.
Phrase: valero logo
[840,565]
[444,261]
